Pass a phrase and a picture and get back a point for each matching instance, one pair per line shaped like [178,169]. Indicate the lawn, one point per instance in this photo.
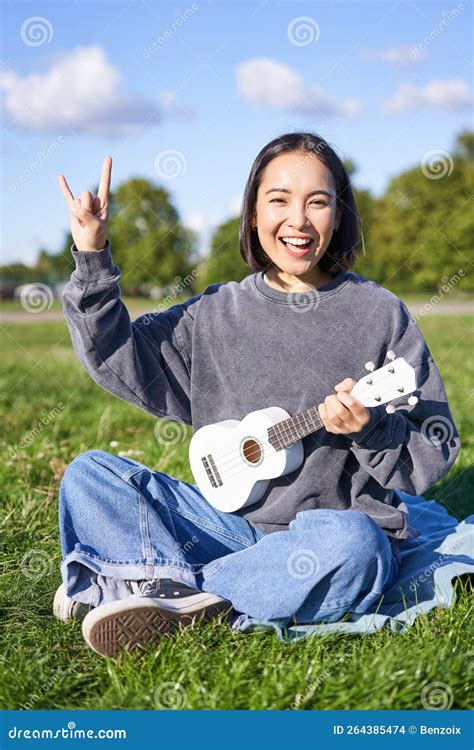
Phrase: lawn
[51,412]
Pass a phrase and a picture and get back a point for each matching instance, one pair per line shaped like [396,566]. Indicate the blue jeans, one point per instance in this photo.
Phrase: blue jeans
[120,522]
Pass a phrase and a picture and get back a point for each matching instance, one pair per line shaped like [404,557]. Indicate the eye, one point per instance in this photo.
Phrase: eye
[320,203]
[277,200]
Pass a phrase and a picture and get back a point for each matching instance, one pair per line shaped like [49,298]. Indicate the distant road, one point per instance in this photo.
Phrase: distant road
[417,309]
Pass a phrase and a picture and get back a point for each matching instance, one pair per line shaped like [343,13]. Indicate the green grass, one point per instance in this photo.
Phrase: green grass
[46,664]
[133,304]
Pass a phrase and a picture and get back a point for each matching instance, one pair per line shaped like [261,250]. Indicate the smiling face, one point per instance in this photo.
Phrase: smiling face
[296,215]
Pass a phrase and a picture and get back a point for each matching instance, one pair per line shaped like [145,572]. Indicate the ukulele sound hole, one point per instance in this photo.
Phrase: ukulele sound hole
[252,451]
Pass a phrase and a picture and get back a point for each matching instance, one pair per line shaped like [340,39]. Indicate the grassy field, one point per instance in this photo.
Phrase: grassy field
[51,411]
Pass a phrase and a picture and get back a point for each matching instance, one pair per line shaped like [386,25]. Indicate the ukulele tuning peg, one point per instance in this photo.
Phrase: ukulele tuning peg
[391,354]
[390,408]
[369,366]
[413,400]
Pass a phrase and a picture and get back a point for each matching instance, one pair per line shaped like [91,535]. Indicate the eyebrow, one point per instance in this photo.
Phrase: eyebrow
[313,192]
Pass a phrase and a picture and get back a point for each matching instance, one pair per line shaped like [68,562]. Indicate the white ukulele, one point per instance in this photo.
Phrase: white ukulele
[233,461]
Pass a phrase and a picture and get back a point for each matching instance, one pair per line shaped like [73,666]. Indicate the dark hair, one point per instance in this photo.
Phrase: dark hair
[342,250]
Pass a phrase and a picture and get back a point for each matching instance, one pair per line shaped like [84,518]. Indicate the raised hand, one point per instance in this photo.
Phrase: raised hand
[89,215]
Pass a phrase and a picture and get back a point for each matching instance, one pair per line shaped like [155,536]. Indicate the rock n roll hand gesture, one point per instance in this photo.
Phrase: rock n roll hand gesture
[89,215]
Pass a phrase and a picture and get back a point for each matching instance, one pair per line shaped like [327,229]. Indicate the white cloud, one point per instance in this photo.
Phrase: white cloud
[82,90]
[394,55]
[445,94]
[268,83]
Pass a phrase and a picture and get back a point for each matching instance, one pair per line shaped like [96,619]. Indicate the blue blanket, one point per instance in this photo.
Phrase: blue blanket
[429,563]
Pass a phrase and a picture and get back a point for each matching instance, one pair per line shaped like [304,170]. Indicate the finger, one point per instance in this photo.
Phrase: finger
[322,414]
[351,403]
[87,199]
[345,385]
[96,205]
[328,423]
[65,189]
[334,407]
[85,216]
[105,178]
[334,421]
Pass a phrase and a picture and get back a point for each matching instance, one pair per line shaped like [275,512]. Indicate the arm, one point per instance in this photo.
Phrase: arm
[414,447]
[146,362]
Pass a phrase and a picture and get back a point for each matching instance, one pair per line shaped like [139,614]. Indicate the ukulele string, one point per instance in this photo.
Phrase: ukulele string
[282,434]
[264,443]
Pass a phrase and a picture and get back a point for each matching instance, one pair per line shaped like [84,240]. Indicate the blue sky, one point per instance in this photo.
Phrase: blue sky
[187,94]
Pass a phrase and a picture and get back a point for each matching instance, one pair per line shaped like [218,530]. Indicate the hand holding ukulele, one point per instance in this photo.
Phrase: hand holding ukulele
[342,414]
[89,215]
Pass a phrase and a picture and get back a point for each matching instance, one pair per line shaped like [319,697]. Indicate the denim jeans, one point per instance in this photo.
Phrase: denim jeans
[121,522]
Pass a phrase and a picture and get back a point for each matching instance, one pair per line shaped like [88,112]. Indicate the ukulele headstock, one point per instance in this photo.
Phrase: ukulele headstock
[394,380]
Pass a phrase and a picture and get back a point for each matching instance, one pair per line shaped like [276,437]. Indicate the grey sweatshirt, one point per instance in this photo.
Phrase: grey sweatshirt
[240,347]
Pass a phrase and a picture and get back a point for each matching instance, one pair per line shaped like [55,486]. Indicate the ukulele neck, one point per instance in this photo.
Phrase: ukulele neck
[289,431]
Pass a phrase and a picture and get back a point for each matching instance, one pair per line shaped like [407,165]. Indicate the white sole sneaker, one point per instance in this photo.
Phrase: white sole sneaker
[139,621]
[65,608]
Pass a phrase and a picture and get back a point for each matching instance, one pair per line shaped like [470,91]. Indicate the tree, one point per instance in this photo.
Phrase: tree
[149,244]
[464,149]
[422,226]
[224,262]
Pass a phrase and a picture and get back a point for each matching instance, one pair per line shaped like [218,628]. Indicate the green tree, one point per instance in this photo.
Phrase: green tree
[148,242]
[421,231]
[224,262]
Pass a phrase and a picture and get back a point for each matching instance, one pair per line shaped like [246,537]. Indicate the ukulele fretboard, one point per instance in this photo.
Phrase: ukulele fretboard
[285,433]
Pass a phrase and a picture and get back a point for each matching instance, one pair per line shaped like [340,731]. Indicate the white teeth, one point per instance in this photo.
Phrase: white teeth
[295,241]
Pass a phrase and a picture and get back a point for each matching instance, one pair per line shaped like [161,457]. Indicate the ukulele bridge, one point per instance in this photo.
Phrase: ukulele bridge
[212,471]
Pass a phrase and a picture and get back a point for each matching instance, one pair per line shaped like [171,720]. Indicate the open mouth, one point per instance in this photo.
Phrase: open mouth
[297,247]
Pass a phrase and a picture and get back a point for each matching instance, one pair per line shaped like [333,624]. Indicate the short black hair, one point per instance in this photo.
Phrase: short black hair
[345,243]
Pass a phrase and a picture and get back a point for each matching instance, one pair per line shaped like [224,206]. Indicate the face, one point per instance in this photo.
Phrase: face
[296,200]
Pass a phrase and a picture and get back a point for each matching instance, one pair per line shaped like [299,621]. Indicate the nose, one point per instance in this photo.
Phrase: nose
[297,217]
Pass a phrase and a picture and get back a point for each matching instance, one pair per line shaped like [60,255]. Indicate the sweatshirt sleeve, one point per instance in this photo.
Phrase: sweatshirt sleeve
[146,362]
[414,447]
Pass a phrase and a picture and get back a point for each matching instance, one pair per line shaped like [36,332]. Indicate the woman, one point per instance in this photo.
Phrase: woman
[145,550]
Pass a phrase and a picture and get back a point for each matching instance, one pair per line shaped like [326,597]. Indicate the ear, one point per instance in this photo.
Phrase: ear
[253,222]
[338,219]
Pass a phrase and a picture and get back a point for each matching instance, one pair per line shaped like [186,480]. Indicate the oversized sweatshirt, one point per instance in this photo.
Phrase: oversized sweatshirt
[242,346]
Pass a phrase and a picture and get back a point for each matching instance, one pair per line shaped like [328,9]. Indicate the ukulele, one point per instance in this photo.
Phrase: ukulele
[234,460]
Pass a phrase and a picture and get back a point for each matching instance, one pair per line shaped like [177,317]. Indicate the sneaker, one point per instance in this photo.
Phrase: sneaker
[65,608]
[141,620]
